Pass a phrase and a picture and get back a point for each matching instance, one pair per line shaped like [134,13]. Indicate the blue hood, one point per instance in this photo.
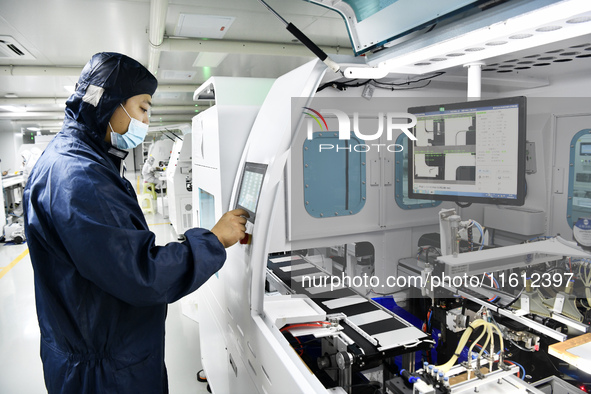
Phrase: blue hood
[106,81]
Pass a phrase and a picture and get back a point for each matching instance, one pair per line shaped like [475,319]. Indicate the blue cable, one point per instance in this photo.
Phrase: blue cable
[493,278]
[522,369]
[497,283]
[481,234]
[480,346]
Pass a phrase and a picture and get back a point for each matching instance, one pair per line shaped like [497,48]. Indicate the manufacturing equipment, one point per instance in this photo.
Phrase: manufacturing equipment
[306,302]
[178,177]
[396,244]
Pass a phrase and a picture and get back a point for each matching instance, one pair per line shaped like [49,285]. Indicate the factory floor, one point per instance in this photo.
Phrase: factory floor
[20,365]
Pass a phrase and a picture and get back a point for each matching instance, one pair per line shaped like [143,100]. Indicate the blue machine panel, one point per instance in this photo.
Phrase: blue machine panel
[334,175]
[364,9]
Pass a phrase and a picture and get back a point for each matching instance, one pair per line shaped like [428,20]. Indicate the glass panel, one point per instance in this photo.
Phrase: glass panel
[372,23]
[365,8]
[401,170]
[206,210]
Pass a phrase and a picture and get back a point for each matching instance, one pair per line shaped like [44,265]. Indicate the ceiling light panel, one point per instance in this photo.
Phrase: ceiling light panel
[489,48]
[203,26]
[209,59]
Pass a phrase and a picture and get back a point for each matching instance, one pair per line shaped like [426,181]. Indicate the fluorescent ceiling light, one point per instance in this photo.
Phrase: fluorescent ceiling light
[560,21]
[209,59]
[13,108]
[33,129]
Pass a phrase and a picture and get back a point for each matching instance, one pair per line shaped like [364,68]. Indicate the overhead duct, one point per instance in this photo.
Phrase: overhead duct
[38,71]
[34,116]
[158,9]
[19,102]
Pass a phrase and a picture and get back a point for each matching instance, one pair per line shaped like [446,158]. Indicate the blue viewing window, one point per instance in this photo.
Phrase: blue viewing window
[579,177]
[334,175]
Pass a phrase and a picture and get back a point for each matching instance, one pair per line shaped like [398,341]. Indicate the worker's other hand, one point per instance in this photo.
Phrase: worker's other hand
[231,227]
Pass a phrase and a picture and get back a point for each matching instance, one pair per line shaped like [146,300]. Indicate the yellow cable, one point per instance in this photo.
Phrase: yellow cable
[501,341]
[474,344]
[491,338]
[487,328]
[463,340]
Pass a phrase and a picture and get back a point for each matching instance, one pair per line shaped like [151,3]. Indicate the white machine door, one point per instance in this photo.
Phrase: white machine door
[571,172]
[206,150]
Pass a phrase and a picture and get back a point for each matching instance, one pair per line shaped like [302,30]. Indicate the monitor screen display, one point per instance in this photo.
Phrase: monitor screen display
[469,152]
[585,149]
[250,188]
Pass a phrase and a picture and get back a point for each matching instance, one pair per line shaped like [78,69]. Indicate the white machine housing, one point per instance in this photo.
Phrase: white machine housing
[239,346]
[219,136]
[161,150]
[180,200]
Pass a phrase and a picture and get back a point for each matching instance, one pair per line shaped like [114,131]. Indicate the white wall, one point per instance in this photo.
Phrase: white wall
[9,145]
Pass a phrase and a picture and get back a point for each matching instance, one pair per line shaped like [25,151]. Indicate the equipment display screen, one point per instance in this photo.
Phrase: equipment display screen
[469,152]
[585,149]
[250,188]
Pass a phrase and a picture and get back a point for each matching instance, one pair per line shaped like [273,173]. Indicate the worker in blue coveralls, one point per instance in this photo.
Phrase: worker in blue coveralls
[102,286]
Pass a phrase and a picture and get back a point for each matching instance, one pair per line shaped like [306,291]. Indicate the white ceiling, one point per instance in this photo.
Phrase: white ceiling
[63,34]
[66,33]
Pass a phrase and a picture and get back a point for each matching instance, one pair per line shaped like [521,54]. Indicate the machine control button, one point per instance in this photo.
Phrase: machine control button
[246,240]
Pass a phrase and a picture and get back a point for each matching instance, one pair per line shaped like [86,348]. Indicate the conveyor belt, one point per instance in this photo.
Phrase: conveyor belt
[392,332]
[351,310]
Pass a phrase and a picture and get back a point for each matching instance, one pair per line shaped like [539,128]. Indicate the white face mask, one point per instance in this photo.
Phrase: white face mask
[135,135]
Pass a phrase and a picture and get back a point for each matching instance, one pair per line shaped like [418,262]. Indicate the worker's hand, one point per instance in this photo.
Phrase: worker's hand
[231,227]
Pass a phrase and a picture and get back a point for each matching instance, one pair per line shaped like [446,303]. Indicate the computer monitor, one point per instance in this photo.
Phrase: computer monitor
[469,152]
[249,192]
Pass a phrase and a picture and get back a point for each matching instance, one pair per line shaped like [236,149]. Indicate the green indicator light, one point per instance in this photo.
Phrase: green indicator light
[441,109]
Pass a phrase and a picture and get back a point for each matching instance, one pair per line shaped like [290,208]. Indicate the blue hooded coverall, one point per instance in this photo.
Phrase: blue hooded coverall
[101,285]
